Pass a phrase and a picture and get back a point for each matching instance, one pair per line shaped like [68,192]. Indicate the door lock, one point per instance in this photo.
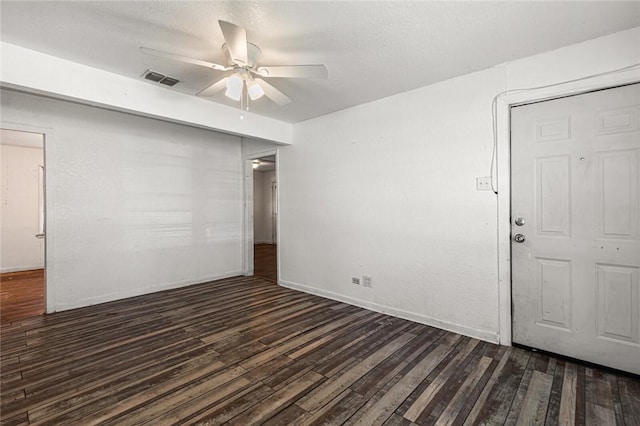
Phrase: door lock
[519,221]
[519,238]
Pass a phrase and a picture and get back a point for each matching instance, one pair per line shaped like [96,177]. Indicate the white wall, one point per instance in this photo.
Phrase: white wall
[134,205]
[262,207]
[20,250]
[388,189]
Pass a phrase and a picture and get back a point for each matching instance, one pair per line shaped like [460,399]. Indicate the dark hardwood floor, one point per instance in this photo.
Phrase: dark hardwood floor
[265,261]
[246,351]
[21,294]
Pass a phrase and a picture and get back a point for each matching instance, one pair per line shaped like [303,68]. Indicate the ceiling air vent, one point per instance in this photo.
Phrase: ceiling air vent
[160,78]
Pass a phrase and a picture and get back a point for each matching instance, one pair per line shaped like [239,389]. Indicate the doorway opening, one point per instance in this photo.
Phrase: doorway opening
[265,218]
[22,225]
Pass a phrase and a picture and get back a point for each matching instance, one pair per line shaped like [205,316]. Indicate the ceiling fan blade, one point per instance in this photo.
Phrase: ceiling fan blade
[179,58]
[294,71]
[214,88]
[272,93]
[236,39]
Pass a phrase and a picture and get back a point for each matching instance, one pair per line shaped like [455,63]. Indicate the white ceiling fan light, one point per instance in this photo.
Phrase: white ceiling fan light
[255,90]
[243,59]
[235,86]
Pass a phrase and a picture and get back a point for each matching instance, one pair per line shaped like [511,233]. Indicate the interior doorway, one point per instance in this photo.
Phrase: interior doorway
[22,225]
[265,217]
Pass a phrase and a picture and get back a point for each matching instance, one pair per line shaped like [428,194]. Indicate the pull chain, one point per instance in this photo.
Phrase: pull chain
[241,107]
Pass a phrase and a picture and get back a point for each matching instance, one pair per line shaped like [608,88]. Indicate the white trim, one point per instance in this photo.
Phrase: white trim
[503,173]
[21,268]
[247,211]
[487,336]
[49,203]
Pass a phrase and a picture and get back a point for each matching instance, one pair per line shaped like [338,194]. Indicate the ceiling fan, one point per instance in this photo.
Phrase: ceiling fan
[242,58]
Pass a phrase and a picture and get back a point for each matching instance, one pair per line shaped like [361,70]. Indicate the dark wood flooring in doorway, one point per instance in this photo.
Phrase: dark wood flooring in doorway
[21,295]
[265,261]
[245,351]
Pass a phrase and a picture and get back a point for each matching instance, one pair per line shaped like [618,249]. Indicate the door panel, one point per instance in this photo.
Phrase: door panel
[576,275]
[553,281]
[618,303]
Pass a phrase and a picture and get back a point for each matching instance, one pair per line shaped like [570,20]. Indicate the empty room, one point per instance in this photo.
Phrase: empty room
[320,212]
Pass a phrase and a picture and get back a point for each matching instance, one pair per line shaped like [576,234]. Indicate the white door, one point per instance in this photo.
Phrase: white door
[576,275]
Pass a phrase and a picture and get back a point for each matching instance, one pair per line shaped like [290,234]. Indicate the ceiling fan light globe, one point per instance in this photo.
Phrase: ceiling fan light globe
[255,91]
[234,88]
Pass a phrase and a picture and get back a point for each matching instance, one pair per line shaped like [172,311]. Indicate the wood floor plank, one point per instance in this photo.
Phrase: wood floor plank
[298,341]
[393,366]
[521,392]
[568,400]
[276,402]
[555,398]
[458,408]
[119,394]
[244,350]
[499,400]
[21,295]
[222,412]
[168,381]
[580,416]
[336,412]
[334,387]
[172,404]
[536,400]
[287,417]
[200,403]
[600,404]
[423,401]
[397,420]
[385,406]
[630,399]
[17,420]
[615,394]
[446,395]
[265,261]
[479,402]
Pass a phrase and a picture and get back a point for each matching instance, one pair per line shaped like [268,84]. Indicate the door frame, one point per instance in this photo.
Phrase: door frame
[247,211]
[503,170]
[49,202]
[274,212]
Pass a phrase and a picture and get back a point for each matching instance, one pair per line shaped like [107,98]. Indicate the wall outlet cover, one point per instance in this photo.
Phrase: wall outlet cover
[367,281]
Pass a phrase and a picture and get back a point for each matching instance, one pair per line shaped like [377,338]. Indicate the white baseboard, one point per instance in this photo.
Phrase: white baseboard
[20,268]
[411,316]
[104,298]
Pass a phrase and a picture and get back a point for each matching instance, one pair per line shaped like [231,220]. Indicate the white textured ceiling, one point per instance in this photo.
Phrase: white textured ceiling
[371,49]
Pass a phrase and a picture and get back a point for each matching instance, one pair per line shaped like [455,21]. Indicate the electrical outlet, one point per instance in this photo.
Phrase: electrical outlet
[366,281]
[355,280]
[483,183]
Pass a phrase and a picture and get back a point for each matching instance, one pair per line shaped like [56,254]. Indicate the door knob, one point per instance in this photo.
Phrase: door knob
[519,238]
[519,221]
